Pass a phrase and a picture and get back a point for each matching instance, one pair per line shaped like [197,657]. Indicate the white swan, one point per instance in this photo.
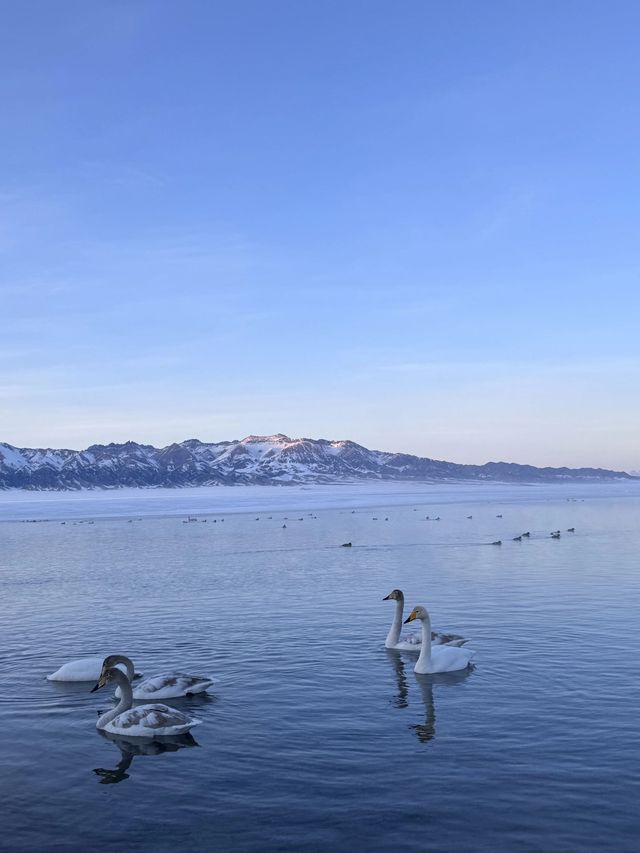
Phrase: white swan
[168,685]
[412,642]
[441,658]
[143,721]
[84,669]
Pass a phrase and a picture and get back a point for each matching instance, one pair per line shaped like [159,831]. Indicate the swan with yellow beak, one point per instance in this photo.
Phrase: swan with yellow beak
[441,658]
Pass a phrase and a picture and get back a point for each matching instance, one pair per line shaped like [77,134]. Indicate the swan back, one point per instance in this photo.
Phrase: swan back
[150,721]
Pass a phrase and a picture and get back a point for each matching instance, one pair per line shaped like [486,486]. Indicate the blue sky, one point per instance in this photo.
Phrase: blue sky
[411,224]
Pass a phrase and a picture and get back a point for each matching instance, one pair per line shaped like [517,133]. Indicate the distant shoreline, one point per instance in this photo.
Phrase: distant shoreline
[23,505]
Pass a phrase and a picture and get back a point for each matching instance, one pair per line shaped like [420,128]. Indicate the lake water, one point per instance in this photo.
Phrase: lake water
[316,737]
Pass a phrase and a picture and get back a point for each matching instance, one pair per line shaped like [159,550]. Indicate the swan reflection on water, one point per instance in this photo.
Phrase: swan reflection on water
[401,698]
[426,731]
[130,748]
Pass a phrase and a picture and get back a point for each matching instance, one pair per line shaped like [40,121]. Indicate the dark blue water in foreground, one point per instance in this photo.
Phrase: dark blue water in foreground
[318,738]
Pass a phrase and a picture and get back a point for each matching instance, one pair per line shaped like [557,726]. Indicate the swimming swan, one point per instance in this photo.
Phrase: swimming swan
[87,669]
[412,642]
[441,658]
[143,721]
[168,685]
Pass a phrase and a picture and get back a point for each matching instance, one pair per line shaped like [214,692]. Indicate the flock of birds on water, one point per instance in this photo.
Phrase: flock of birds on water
[438,652]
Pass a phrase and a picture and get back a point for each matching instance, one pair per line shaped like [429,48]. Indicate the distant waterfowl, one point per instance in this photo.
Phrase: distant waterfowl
[469,516]
[555,535]
[497,542]
[498,516]
[437,658]
[346,545]
[517,538]
[167,685]
[571,530]
[88,669]
[412,642]
[527,534]
[147,721]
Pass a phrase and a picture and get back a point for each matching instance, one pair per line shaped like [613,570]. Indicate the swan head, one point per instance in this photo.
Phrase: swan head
[109,675]
[418,612]
[394,595]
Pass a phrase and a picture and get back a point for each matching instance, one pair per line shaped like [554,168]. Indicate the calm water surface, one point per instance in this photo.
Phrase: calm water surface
[316,738]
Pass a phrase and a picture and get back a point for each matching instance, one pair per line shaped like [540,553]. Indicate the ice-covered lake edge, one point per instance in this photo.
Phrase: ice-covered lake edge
[23,505]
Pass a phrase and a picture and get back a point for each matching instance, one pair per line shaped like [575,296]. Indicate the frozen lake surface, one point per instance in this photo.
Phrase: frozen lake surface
[316,737]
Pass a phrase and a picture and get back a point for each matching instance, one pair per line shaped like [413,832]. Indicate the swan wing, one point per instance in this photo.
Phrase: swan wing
[409,643]
[438,638]
[447,659]
[170,685]
[151,721]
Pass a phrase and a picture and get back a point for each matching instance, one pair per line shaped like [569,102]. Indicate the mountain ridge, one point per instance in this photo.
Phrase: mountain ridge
[259,460]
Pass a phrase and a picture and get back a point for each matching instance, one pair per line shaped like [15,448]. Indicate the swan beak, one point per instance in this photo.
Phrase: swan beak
[410,617]
[387,597]
[100,683]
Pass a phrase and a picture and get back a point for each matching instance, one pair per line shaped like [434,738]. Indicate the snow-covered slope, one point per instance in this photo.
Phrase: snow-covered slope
[256,459]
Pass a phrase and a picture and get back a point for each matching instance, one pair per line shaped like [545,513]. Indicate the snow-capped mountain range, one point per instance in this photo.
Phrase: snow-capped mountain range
[266,460]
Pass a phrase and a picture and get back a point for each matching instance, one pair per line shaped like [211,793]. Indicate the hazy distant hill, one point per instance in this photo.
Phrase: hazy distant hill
[274,459]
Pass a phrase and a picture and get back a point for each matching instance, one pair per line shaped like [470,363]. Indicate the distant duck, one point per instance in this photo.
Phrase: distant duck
[527,534]
[147,721]
[411,642]
[440,658]
[571,530]
[284,526]
[498,516]
[469,516]
[517,538]
[167,685]
[555,534]
[497,542]
[346,545]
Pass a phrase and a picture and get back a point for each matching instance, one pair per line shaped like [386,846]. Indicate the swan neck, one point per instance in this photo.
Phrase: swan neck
[126,700]
[127,662]
[393,637]
[425,650]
